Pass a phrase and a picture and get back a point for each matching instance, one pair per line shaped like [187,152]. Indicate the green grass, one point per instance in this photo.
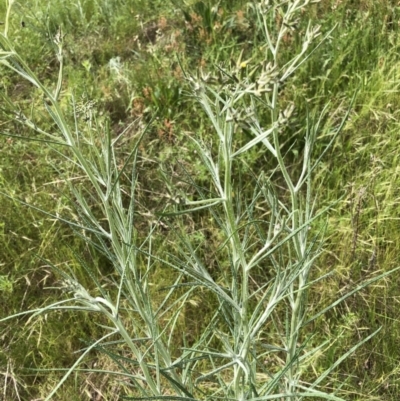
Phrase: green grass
[146,85]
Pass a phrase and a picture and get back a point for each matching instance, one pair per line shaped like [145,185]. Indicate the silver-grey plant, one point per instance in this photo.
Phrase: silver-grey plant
[255,345]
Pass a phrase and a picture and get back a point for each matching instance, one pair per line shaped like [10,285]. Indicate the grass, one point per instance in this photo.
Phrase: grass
[159,272]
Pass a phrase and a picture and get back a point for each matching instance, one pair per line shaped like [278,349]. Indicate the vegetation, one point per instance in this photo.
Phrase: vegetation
[199,200]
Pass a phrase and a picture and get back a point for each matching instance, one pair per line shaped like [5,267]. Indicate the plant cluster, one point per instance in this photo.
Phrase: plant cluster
[252,178]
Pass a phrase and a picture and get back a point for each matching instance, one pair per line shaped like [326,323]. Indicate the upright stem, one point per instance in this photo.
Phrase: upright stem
[238,260]
[296,289]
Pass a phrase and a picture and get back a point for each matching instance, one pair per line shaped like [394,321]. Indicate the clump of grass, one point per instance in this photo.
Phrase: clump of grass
[258,343]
